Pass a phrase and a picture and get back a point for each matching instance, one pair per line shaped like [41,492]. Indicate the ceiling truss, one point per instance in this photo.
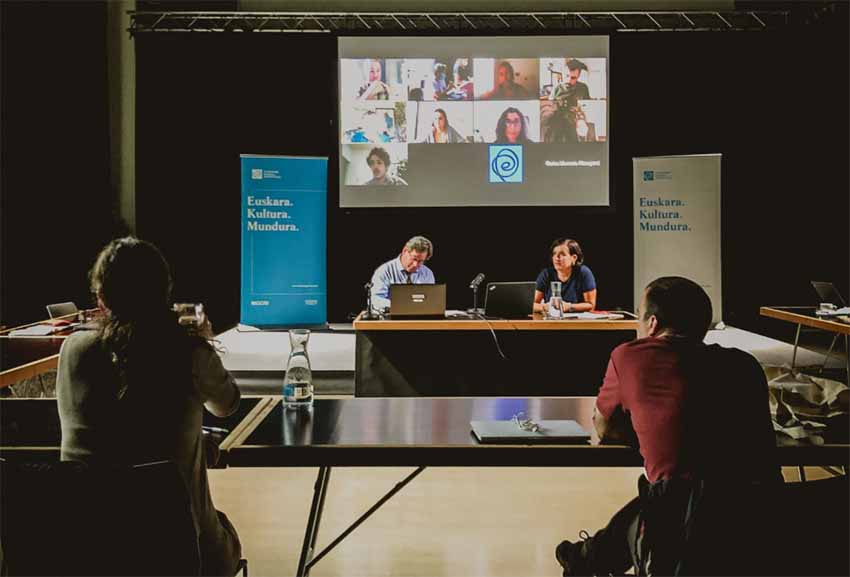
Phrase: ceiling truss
[457,22]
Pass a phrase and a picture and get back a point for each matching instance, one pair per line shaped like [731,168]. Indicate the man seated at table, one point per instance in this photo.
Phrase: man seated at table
[407,268]
[698,413]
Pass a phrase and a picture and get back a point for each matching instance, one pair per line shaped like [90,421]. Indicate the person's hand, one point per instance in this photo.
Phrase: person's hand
[202,329]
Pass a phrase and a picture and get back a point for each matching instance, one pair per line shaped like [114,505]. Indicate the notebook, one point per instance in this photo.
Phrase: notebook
[509,300]
[549,432]
[417,301]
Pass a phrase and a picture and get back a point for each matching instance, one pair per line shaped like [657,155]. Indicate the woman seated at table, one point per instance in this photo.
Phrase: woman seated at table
[578,287]
[134,390]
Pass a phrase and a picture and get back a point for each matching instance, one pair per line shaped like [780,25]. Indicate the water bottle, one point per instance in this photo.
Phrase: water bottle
[555,311]
[298,382]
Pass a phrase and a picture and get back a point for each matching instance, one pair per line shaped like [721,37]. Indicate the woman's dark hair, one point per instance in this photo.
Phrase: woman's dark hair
[572,245]
[380,153]
[132,280]
[502,125]
[680,306]
[443,112]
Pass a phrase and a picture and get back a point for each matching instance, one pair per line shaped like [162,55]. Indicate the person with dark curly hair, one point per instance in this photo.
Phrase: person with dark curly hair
[134,390]
[511,127]
[378,160]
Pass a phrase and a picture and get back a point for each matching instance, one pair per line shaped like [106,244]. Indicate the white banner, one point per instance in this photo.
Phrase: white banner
[677,222]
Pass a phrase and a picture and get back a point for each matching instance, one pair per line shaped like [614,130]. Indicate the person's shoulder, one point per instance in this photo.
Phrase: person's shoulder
[722,356]
[585,271]
[80,342]
[636,345]
[546,273]
[385,266]
[641,351]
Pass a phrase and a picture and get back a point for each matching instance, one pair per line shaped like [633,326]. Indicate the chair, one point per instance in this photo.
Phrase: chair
[61,309]
[787,529]
[68,518]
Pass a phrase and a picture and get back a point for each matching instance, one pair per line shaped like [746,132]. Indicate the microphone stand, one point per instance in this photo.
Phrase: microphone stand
[368,315]
[475,310]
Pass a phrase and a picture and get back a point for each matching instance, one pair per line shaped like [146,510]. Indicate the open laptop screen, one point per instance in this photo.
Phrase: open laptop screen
[417,300]
[509,300]
[828,293]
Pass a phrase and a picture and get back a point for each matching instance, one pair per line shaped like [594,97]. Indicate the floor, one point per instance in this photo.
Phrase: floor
[447,522]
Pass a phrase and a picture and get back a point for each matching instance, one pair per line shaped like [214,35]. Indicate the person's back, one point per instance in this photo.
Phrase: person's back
[700,417]
[134,390]
[697,411]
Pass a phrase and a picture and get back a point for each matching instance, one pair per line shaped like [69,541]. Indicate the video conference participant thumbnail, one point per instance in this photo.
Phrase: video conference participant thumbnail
[369,79]
[507,122]
[510,79]
[370,165]
[573,103]
[440,122]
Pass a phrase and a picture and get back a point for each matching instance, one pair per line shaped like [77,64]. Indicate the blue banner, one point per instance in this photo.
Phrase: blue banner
[284,226]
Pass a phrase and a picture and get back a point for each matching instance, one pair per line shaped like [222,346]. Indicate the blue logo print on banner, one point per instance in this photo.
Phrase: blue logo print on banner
[648,175]
[505,163]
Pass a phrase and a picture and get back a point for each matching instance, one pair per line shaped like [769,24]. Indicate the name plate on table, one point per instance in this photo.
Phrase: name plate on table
[548,432]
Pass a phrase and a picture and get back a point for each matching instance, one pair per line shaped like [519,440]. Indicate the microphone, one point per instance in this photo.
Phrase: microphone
[479,278]
[368,314]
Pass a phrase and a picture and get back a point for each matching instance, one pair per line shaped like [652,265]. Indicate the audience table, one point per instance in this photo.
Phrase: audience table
[23,357]
[806,316]
[380,432]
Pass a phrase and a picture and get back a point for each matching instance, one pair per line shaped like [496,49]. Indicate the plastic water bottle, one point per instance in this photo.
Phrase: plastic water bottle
[555,311]
[298,382]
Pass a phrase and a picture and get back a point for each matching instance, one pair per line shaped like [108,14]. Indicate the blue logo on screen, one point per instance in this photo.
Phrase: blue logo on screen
[505,163]
[648,175]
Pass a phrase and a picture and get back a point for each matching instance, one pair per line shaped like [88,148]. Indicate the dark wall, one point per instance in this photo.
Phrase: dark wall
[55,208]
[774,104]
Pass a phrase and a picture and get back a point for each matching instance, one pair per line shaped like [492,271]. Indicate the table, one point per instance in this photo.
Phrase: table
[806,316]
[423,432]
[23,357]
[388,432]
[30,428]
[454,357]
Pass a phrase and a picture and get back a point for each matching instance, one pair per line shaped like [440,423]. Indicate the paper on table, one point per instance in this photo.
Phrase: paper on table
[828,313]
[35,331]
[593,316]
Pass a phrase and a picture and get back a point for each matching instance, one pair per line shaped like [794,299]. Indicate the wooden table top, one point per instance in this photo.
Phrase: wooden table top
[22,357]
[534,323]
[805,316]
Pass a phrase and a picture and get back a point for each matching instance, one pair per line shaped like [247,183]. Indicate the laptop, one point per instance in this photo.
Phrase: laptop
[509,300]
[828,293]
[61,309]
[550,432]
[417,301]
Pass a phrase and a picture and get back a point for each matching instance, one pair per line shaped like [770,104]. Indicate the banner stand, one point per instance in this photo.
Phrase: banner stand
[677,223]
[284,242]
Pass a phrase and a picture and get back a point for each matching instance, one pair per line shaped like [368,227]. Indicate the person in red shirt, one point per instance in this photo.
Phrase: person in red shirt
[660,393]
